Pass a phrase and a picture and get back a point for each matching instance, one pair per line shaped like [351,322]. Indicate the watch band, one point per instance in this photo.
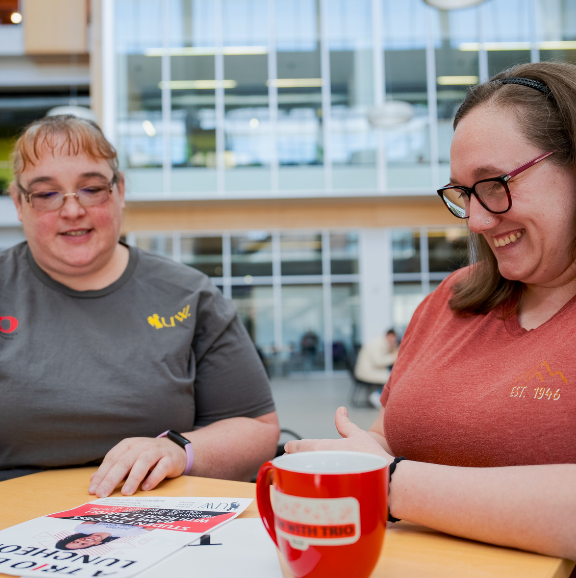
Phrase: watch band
[185,444]
[391,470]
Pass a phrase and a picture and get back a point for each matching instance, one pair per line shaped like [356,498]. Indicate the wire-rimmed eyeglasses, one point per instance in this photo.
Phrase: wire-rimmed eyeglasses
[52,199]
[493,194]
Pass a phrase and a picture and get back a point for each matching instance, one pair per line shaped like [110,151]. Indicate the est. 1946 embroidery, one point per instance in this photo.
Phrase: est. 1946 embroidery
[159,322]
[544,374]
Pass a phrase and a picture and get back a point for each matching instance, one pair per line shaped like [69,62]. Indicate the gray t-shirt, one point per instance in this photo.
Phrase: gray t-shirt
[158,349]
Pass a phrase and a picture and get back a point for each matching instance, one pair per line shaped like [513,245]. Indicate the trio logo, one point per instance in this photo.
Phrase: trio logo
[159,322]
[8,324]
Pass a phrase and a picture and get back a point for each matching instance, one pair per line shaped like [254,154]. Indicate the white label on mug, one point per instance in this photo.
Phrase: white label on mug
[323,522]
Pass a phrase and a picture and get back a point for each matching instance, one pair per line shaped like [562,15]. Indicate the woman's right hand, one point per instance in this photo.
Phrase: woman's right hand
[133,458]
[354,439]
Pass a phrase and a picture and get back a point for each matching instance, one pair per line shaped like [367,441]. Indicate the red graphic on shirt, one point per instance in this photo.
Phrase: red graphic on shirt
[543,372]
[10,326]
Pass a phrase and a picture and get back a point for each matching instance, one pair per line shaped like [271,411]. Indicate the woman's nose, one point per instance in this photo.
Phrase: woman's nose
[480,220]
[72,207]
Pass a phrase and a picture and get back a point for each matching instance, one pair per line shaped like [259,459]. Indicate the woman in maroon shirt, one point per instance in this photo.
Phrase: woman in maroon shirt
[482,399]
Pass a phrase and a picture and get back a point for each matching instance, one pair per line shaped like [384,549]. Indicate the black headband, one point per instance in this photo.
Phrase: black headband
[526,82]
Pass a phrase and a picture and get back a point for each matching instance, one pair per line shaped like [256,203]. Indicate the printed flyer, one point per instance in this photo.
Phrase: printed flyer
[113,536]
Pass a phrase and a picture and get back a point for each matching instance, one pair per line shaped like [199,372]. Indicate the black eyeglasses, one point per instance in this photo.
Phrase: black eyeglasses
[493,194]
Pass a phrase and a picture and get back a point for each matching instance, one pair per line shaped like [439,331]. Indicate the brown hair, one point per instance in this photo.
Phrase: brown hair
[549,123]
[80,136]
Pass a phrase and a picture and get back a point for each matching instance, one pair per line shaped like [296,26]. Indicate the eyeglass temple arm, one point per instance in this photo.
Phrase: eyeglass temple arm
[529,164]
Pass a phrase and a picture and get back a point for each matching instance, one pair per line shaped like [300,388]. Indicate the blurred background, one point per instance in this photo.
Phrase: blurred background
[289,149]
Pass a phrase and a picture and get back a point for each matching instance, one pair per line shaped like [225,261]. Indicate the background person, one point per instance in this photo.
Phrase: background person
[481,401]
[113,345]
[375,361]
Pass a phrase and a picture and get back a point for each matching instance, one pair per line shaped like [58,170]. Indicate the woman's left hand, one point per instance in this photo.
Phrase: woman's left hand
[354,439]
[134,458]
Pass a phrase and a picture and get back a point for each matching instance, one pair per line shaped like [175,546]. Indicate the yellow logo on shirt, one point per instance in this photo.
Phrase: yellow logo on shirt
[159,322]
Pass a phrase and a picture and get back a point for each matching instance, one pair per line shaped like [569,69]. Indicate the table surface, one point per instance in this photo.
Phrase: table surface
[409,550]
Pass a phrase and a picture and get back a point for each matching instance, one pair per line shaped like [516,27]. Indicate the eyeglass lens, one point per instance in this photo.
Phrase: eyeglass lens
[492,194]
[53,200]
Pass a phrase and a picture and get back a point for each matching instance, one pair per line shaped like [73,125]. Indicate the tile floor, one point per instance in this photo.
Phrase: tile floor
[307,405]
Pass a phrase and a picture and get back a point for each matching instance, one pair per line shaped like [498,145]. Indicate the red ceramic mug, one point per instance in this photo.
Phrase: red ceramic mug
[328,511]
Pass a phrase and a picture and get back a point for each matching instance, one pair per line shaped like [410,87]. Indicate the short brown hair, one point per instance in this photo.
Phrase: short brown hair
[80,136]
[549,123]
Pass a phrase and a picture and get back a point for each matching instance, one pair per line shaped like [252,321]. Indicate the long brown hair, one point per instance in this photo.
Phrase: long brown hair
[549,123]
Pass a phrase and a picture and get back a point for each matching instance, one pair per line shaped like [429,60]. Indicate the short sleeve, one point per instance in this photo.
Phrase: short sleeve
[230,377]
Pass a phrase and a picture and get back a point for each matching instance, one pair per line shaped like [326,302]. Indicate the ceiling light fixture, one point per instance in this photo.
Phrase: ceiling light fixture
[456,80]
[208,51]
[197,84]
[78,111]
[501,46]
[295,82]
[391,113]
[452,4]
[16,17]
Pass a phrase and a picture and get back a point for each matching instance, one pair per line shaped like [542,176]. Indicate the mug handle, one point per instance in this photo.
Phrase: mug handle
[263,498]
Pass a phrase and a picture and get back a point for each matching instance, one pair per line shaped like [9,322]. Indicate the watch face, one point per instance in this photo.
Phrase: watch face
[177,438]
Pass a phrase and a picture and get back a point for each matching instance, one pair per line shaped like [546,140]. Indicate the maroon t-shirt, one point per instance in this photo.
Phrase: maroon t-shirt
[481,390]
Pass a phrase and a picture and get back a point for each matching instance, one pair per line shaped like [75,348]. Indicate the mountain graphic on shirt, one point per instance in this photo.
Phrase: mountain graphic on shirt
[544,375]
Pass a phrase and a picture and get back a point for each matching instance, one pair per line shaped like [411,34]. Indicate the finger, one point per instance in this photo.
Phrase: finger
[109,460]
[296,446]
[292,447]
[115,475]
[345,427]
[161,471]
[97,477]
[145,462]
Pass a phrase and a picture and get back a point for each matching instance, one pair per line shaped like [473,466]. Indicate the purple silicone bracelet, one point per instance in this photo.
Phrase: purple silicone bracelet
[189,454]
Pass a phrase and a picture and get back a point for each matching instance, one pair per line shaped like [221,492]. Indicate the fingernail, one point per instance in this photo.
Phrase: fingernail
[344,411]
[127,490]
[145,487]
[92,489]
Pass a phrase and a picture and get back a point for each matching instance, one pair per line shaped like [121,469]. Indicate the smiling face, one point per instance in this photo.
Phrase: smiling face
[87,541]
[73,244]
[534,241]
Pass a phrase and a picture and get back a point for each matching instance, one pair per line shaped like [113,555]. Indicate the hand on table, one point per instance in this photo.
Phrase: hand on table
[354,440]
[134,458]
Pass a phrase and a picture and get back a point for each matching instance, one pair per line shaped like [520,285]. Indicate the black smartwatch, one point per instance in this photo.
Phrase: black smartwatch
[184,443]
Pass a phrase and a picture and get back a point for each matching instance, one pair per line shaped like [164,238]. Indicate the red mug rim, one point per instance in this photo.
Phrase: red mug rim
[335,463]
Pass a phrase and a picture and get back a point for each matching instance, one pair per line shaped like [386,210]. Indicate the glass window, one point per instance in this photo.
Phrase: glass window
[353,141]
[256,311]
[193,90]
[346,334]
[301,254]
[203,253]
[507,33]
[139,127]
[344,253]
[404,30]
[406,251]
[303,327]
[556,30]
[252,254]
[299,83]
[456,70]
[159,245]
[407,296]
[247,117]
[447,249]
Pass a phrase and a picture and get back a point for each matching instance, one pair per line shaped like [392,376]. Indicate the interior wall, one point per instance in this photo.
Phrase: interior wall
[287,214]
